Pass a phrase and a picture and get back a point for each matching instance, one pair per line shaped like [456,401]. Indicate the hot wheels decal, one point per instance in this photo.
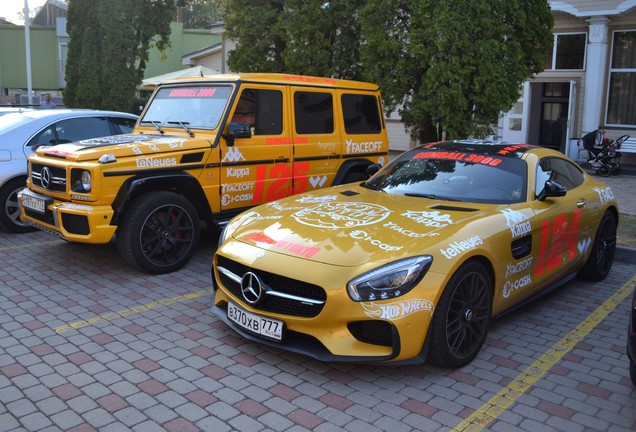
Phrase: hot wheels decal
[342,215]
[457,248]
[397,310]
[429,218]
[518,222]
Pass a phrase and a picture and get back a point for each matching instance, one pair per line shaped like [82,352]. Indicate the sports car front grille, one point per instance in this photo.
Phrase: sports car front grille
[48,177]
[286,286]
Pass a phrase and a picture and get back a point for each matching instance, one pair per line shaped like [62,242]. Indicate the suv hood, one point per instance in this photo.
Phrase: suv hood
[121,146]
[349,225]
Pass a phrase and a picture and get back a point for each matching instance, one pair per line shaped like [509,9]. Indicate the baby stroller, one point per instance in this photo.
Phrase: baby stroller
[603,154]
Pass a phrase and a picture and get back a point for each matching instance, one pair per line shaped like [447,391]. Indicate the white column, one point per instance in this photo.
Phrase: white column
[593,106]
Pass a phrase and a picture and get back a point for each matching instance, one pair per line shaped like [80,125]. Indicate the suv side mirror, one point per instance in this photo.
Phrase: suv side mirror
[237,130]
[551,189]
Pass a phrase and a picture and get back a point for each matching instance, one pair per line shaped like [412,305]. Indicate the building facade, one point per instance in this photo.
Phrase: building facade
[589,80]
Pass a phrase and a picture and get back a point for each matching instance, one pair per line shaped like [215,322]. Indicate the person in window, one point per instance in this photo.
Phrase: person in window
[245,111]
[47,103]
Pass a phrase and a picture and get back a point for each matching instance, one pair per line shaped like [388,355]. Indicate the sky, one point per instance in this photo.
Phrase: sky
[9,9]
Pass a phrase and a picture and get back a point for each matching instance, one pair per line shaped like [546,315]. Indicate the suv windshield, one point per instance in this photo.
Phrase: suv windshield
[197,107]
[453,180]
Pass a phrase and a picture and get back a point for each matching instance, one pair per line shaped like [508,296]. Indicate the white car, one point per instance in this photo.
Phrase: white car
[22,132]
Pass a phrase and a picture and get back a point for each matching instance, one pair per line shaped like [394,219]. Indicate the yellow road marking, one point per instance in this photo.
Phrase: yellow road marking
[22,245]
[137,309]
[499,403]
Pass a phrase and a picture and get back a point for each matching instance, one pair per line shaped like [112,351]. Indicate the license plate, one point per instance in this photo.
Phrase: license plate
[258,324]
[33,203]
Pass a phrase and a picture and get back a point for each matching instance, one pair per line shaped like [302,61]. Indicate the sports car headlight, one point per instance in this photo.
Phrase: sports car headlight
[389,281]
[81,180]
[235,223]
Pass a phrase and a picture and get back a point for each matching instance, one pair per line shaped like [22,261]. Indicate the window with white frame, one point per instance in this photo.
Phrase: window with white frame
[621,95]
[568,52]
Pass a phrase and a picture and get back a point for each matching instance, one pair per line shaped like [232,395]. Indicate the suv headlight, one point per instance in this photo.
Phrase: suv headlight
[389,281]
[81,181]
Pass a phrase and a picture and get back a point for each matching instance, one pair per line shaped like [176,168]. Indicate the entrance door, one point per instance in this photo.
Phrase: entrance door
[555,100]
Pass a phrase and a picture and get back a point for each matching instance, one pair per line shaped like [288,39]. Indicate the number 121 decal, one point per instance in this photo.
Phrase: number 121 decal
[558,237]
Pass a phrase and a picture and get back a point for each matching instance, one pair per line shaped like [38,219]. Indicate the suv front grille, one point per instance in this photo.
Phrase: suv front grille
[48,177]
[294,289]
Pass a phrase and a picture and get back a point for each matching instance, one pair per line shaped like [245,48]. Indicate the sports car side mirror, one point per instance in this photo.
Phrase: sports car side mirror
[372,169]
[237,130]
[551,189]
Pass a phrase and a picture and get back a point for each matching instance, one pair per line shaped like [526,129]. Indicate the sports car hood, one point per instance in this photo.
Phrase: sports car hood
[350,225]
[121,146]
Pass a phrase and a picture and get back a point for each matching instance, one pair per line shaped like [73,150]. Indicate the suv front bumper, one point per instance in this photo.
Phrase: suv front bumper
[74,222]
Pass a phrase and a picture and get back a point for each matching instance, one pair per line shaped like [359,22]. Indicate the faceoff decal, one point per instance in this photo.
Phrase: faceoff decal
[363,147]
[397,310]
[341,215]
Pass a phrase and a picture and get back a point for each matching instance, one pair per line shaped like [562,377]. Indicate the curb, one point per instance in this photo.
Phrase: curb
[625,254]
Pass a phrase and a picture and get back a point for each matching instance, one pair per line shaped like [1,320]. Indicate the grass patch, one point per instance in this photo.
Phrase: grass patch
[626,235]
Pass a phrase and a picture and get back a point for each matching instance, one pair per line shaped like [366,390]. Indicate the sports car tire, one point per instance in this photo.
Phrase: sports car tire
[601,257]
[160,233]
[9,209]
[462,317]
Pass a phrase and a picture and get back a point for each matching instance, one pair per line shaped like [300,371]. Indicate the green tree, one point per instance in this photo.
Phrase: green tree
[196,14]
[451,66]
[313,37]
[108,49]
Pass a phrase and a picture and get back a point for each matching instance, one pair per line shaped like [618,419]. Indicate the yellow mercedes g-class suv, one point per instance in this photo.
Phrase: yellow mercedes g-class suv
[203,150]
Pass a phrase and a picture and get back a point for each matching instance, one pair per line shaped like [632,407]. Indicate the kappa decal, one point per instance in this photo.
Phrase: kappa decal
[518,222]
[397,310]
[429,218]
[233,155]
[341,215]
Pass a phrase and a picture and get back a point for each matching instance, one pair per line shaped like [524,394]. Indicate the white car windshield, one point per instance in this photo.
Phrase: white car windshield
[197,107]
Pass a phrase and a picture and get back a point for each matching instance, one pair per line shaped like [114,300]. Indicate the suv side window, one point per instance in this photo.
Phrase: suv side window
[262,110]
[361,114]
[80,128]
[313,112]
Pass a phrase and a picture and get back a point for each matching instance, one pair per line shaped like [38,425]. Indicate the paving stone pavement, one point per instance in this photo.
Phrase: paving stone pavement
[90,344]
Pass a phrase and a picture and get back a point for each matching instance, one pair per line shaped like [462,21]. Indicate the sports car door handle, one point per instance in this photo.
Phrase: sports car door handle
[581,203]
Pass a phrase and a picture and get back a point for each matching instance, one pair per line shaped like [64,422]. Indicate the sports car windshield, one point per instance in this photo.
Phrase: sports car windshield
[452,176]
[197,107]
